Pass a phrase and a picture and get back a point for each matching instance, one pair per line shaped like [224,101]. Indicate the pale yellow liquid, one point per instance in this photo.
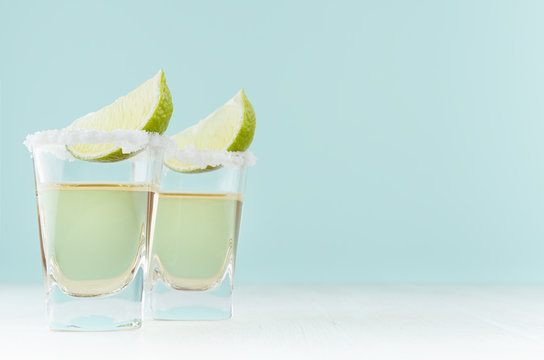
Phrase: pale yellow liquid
[93,236]
[195,238]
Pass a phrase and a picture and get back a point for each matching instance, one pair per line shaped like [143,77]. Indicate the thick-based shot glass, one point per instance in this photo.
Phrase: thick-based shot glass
[194,249]
[96,222]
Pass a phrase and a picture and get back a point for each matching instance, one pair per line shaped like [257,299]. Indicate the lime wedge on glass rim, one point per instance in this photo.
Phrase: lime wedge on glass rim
[148,107]
[230,128]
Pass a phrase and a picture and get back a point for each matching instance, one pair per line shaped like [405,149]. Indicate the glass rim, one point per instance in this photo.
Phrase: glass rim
[132,141]
[67,136]
[200,159]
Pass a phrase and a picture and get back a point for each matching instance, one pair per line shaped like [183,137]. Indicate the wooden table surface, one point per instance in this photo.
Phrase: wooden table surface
[305,322]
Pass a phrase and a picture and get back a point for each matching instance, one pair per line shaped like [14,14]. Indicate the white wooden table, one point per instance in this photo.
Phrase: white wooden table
[305,322]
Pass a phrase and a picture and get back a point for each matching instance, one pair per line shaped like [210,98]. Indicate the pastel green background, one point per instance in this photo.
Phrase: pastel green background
[398,141]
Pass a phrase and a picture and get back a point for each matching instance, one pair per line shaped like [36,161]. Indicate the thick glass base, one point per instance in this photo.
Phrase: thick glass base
[119,311]
[171,304]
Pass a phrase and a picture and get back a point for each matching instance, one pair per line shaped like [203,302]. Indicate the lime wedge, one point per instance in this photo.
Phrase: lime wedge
[231,128]
[148,107]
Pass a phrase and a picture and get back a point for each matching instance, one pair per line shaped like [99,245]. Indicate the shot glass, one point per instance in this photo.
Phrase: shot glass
[194,249]
[96,223]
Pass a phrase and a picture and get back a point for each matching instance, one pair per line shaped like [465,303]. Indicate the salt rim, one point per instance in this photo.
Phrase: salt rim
[128,140]
[55,141]
[201,159]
